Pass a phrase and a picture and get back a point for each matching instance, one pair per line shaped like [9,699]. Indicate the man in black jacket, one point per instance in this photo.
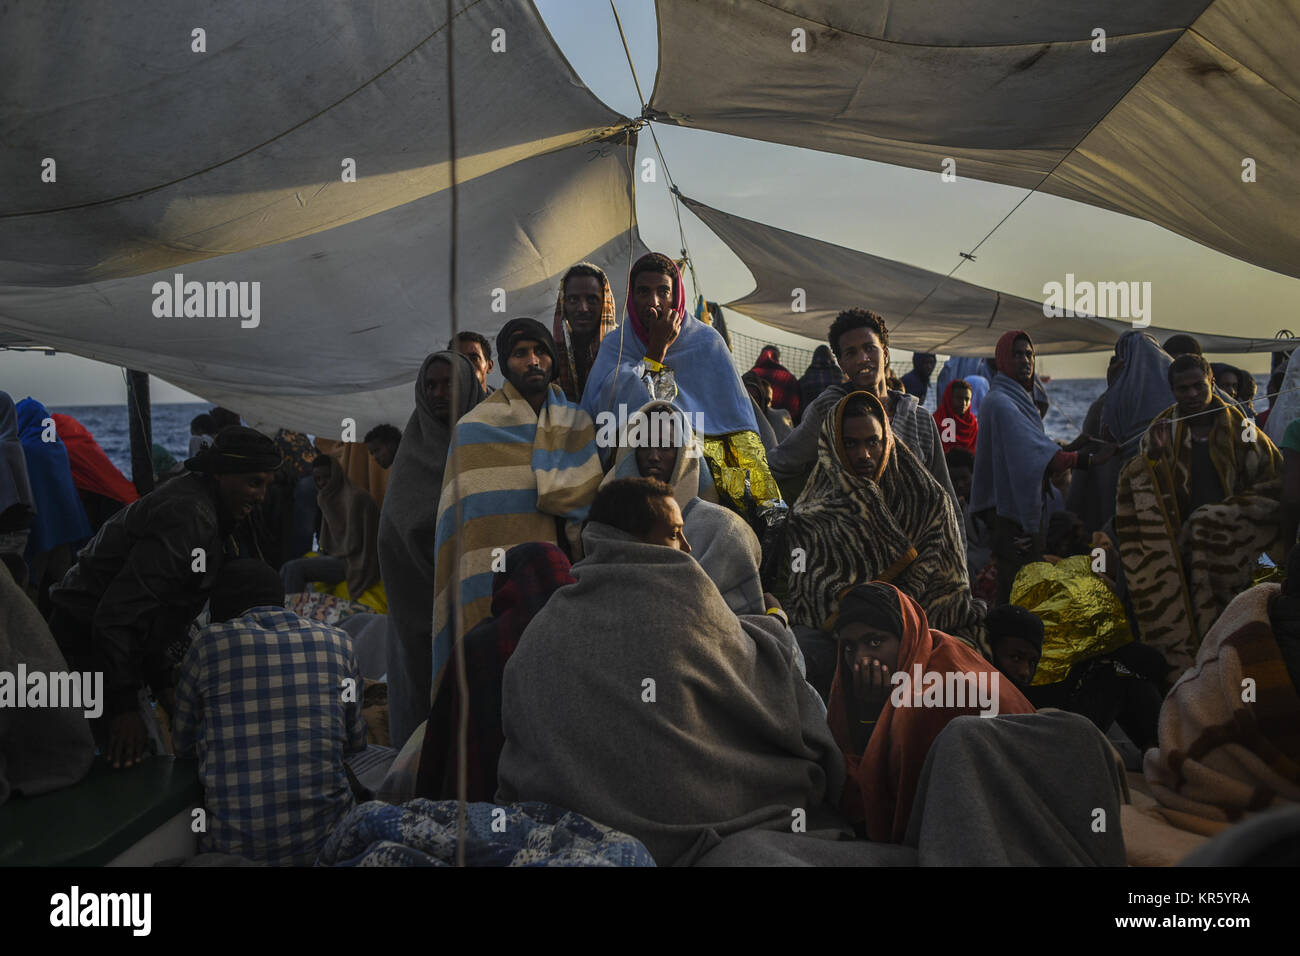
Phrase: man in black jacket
[146,575]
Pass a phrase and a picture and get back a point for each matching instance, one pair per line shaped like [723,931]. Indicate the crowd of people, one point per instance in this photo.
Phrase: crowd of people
[760,622]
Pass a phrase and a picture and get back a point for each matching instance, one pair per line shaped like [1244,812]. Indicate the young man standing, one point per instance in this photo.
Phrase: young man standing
[522,467]
[584,314]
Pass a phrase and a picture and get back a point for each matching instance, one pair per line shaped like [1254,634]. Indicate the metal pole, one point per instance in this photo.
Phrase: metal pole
[140,416]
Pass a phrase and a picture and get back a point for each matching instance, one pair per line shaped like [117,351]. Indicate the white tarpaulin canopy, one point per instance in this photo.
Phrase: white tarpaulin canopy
[925,311]
[226,166]
[1157,126]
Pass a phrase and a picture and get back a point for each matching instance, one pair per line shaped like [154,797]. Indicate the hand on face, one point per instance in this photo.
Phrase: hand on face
[653,296]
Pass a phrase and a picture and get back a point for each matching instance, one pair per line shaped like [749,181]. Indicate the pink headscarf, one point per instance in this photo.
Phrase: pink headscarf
[679,294]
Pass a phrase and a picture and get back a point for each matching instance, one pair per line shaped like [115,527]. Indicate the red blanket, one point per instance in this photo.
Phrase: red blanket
[91,469]
[882,782]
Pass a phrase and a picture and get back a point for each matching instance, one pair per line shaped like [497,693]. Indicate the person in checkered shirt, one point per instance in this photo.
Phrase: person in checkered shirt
[270,703]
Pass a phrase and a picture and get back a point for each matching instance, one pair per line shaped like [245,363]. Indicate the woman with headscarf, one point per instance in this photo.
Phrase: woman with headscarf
[533,573]
[17,503]
[60,519]
[871,511]
[885,725]
[1137,391]
[659,443]
[955,408]
[445,389]
[784,386]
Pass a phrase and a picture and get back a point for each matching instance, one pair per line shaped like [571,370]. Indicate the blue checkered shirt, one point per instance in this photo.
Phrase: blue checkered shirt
[261,699]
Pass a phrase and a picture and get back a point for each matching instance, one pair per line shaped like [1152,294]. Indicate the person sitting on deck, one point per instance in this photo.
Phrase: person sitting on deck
[871,511]
[270,703]
[917,381]
[635,717]
[585,312]
[533,572]
[382,442]
[897,685]
[41,748]
[478,350]
[821,374]
[146,574]
[1012,459]
[1015,643]
[958,427]
[349,533]
[658,443]
[523,466]
[784,387]
[661,351]
[1224,756]
[1195,509]
[860,342]
[445,389]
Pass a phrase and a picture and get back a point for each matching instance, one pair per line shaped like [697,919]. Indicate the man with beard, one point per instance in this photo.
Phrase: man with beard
[522,467]
[584,314]
[140,582]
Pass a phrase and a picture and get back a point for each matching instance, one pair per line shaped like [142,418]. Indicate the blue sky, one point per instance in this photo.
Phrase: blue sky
[898,213]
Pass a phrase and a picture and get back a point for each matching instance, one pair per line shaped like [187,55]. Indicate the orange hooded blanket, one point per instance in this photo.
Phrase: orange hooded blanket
[881,783]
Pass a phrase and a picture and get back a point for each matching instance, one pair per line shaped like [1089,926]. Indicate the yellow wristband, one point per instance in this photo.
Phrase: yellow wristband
[652,365]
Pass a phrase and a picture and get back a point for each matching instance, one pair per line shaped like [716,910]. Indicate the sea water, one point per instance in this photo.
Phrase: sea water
[171,423]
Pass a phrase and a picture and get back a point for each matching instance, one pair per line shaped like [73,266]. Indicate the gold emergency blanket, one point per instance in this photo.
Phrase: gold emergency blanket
[1081,616]
[730,458]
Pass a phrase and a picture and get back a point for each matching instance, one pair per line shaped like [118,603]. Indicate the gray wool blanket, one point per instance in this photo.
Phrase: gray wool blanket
[637,698]
[1019,790]
[41,748]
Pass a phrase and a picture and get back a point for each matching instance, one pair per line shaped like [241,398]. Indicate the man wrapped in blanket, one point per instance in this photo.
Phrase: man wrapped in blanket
[522,467]
[1196,507]
[663,352]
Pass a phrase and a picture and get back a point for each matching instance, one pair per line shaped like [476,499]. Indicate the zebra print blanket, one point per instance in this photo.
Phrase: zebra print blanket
[1183,568]
[899,528]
